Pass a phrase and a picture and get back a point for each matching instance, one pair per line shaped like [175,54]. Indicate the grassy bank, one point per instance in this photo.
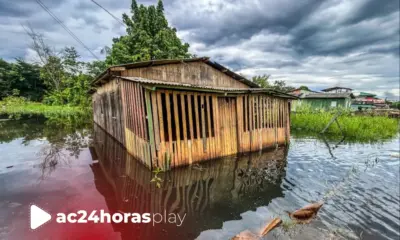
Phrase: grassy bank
[361,128]
[15,107]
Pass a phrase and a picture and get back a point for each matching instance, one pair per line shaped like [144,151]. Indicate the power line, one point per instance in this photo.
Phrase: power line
[112,15]
[65,27]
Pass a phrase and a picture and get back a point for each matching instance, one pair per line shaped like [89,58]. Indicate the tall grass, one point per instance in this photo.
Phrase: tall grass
[13,107]
[360,128]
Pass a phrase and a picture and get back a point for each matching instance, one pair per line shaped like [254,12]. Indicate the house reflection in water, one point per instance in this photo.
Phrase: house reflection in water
[209,194]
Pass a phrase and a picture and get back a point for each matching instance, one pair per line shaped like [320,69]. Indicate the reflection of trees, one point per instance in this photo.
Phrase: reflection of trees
[52,155]
[66,137]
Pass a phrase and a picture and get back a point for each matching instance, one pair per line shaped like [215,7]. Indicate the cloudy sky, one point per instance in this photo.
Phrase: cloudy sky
[318,43]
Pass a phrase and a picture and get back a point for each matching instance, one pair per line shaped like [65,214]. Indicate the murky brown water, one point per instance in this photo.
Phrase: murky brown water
[54,168]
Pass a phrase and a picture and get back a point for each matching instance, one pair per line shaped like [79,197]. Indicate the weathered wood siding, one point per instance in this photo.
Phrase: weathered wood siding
[262,122]
[189,127]
[197,73]
[166,128]
[108,109]
[135,123]
[184,127]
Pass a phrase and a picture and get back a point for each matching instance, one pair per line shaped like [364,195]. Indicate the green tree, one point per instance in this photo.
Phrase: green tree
[5,79]
[74,82]
[95,68]
[304,88]
[262,81]
[21,79]
[279,85]
[27,80]
[148,37]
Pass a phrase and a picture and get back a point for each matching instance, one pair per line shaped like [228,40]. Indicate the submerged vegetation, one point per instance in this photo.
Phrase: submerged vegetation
[353,127]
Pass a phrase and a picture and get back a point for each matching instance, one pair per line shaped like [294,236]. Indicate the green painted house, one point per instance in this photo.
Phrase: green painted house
[324,100]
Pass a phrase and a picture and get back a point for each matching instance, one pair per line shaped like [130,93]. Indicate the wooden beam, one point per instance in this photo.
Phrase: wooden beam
[177,129]
[151,129]
[162,135]
[117,69]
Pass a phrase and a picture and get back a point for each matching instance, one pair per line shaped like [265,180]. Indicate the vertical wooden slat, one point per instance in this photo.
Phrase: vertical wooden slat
[137,111]
[210,147]
[184,130]
[189,97]
[239,117]
[216,125]
[151,160]
[203,121]
[276,120]
[177,129]
[199,153]
[251,121]
[156,129]
[264,112]
[161,157]
[229,124]
[246,113]
[169,119]
[143,112]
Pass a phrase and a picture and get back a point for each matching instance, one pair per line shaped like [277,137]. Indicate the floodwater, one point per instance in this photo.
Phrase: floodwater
[53,167]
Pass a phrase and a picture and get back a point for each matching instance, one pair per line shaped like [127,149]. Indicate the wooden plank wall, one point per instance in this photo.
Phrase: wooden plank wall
[197,73]
[135,122]
[167,129]
[108,109]
[185,129]
[191,127]
[228,126]
[263,121]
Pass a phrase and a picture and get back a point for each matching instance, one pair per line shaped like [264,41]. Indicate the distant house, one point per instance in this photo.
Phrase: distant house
[368,101]
[337,90]
[324,100]
[299,91]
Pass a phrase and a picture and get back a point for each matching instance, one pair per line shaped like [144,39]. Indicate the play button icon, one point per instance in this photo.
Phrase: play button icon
[38,217]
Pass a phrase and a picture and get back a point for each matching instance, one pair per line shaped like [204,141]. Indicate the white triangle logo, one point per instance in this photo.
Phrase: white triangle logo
[38,217]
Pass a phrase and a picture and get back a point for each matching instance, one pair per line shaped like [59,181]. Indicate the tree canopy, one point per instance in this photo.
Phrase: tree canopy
[279,85]
[22,79]
[304,88]
[261,80]
[148,37]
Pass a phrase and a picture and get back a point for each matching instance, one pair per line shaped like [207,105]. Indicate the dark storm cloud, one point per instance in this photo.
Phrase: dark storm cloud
[242,21]
[223,24]
[18,8]
[318,43]
[357,30]
[373,9]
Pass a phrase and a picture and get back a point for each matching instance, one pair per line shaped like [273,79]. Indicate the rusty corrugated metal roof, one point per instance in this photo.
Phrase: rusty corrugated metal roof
[176,85]
[327,95]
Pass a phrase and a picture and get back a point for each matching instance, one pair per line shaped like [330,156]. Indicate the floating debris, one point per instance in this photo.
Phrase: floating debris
[246,235]
[270,226]
[307,213]
[9,166]
[395,155]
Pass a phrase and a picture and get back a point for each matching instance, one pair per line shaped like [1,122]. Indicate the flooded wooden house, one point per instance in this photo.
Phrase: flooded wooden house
[169,113]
